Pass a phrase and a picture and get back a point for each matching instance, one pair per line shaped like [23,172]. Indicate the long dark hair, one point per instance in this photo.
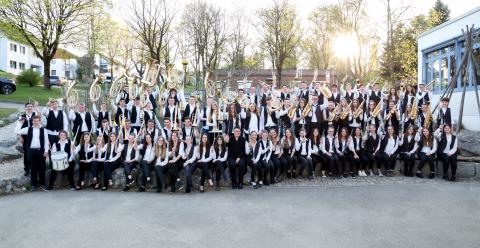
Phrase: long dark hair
[218,148]
[315,140]
[202,145]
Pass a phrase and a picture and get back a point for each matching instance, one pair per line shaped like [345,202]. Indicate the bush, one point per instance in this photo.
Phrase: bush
[29,77]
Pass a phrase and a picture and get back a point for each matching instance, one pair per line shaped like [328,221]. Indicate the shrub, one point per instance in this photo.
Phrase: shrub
[29,77]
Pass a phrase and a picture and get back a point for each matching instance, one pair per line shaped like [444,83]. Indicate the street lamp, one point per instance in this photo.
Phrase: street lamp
[185,65]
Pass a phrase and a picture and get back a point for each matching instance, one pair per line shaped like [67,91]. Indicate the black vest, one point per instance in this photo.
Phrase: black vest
[29,122]
[77,123]
[192,149]
[132,153]
[108,151]
[384,142]
[189,113]
[152,100]
[272,115]
[444,118]
[406,145]
[327,144]
[119,112]
[67,147]
[443,143]
[101,117]
[55,124]
[133,114]
[221,154]
[375,97]
[207,152]
[357,146]
[83,155]
[371,144]
[307,143]
[167,113]
[42,138]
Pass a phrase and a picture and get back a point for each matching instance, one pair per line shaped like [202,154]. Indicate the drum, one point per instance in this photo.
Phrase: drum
[59,161]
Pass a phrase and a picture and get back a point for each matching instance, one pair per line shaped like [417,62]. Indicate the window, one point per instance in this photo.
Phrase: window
[21,66]
[13,64]
[53,73]
[22,49]
[13,47]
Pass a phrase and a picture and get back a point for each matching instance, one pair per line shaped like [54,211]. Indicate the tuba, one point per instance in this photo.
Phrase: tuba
[171,84]
[116,87]
[152,73]
[71,95]
[95,91]
[209,86]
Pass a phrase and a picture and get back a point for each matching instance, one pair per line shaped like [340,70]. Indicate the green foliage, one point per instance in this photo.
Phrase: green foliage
[439,14]
[29,77]
[6,74]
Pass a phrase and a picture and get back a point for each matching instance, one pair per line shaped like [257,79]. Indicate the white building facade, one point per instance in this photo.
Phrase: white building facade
[440,51]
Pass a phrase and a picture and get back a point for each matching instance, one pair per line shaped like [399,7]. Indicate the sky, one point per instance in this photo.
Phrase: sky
[375,9]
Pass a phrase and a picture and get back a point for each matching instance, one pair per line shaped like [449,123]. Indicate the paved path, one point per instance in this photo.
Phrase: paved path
[426,215]
[12,105]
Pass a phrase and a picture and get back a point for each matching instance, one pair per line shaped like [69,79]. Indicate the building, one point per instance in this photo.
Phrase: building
[16,56]
[440,51]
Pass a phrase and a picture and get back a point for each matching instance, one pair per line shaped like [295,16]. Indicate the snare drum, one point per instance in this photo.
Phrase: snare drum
[59,161]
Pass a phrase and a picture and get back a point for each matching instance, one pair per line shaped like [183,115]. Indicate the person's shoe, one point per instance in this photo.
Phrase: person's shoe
[294,174]
[431,176]
[380,173]
[26,173]
[97,186]
[240,186]
[126,189]
[364,173]
[254,185]
[311,178]
[445,177]
[104,188]
[323,174]
[202,190]
[188,190]
[132,182]
[260,184]
[289,174]
[110,182]
[419,175]
[72,189]
[339,177]
[371,173]
[33,189]
[141,189]
[453,178]
[43,187]
[48,188]
[210,182]
[345,175]
[179,184]
[352,175]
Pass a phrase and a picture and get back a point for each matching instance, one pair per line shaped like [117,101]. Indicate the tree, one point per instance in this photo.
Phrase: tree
[390,60]
[279,28]
[45,24]
[151,21]
[439,13]
[206,28]
[236,43]
[112,47]
[318,43]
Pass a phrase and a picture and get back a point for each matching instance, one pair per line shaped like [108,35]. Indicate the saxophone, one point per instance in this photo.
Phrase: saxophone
[359,110]
[376,110]
[345,112]
[334,114]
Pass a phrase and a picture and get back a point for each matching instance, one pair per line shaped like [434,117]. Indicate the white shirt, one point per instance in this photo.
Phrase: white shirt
[62,148]
[433,149]
[312,113]
[149,155]
[203,158]
[330,141]
[302,147]
[83,127]
[35,136]
[391,146]
[253,125]
[46,112]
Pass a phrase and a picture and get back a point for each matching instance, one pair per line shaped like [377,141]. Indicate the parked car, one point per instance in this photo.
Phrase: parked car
[55,80]
[7,86]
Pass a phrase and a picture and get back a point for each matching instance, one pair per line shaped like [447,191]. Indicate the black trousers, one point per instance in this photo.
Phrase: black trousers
[95,167]
[305,162]
[146,168]
[108,168]
[188,174]
[237,170]
[127,170]
[448,161]
[284,160]
[253,168]
[218,168]
[408,163]
[426,159]
[292,162]
[26,164]
[332,162]
[37,166]
[343,163]
[371,159]
[357,163]
[268,172]
[277,163]
[160,172]
[203,166]
[69,171]
[316,159]
[388,161]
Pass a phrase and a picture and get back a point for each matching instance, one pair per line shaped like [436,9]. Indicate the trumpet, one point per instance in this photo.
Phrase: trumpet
[175,122]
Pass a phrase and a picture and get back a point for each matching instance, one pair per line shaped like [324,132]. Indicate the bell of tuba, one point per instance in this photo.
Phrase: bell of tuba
[116,87]
[95,91]
[171,84]
[152,73]
[209,86]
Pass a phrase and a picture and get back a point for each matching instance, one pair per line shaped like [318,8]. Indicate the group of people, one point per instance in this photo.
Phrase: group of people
[316,130]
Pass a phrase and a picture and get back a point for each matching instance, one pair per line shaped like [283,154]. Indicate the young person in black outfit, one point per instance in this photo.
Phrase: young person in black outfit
[220,153]
[30,112]
[37,149]
[64,145]
[87,160]
[427,145]
[236,158]
[112,160]
[372,141]
[408,147]
[288,155]
[356,154]
[130,155]
[387,150]
[447,151]
[327,148]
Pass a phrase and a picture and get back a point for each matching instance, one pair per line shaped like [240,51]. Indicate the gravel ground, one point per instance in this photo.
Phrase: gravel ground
[11,169]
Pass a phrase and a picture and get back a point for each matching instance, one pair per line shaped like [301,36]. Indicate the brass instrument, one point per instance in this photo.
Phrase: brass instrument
[414,111]
[345,112]
[334,114]
[194,124]
[95,91]
[71,95]
[325,90]
[209,86]
[385,88]
[428,118]
[308,108]
[291,111]
[276,104]
[116,87]
[175,122]
[359,110]
[377,109]
[152,73]
[389,115]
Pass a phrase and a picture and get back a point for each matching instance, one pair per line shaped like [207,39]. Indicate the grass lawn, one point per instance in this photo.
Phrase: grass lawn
[6,74]
[23,93]
[5,112]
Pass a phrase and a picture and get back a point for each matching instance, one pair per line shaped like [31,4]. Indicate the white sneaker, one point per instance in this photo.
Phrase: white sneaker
[364,174]
[323,174]
[371,173]
[380,173]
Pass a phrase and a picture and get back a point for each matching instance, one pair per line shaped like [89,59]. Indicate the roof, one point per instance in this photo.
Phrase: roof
[473,11]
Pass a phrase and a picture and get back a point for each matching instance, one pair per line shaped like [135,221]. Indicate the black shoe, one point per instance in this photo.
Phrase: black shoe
[431,176]
[202,190]
[126,189]
[345,175]
[49,188]
[33,189]
[240,186]
[311,177]
[445,177]
[26,173]
[419,175]
[179,184]
[294,174]
[289,175]
[159,190]
[352,174]
[234,186]
[141,189]
[217,187]
[453,178]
